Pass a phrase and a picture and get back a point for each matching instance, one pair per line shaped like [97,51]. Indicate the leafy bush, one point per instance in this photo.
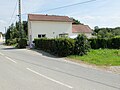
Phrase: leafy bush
[22,43]
[11,41]
[81,45]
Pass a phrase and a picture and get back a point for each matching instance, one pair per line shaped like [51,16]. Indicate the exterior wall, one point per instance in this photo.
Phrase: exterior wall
[89,35]
[1,37]
[50,28]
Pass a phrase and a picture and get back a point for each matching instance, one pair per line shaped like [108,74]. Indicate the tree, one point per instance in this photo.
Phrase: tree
[116,32]
[96,29]
[106,32]
[25,27]
[13,34]
[75,21]
[7,36]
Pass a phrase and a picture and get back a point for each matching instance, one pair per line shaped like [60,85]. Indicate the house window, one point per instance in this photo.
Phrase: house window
[63,35]
[41,35]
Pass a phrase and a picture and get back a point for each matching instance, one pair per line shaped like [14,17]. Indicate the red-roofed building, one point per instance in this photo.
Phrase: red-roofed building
[39,17]
[49,26]
[81,29]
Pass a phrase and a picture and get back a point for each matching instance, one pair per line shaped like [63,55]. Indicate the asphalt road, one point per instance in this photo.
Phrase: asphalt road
[22,69]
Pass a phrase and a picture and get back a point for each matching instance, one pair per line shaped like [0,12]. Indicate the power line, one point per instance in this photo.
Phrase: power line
[70,5]
[15,19]
[65,6]
[13,14]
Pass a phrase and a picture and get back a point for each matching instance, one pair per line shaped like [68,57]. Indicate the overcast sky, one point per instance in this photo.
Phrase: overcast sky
[102,13]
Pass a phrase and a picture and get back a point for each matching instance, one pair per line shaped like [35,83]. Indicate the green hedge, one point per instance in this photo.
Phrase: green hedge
[113,43]
[80,46]
[61,47]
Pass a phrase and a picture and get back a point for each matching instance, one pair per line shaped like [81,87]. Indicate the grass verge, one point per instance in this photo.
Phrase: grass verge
[100,57]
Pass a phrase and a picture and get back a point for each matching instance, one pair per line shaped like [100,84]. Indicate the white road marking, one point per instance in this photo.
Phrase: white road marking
[1,54]
[50,78]
[11,60]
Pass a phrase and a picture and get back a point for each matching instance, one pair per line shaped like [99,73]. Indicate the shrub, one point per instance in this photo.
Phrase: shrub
[11,41]
[81,45]
[7,42]
[22,43]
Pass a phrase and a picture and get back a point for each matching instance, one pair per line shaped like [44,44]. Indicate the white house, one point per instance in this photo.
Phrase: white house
[1,36]
[49,26]
[81,29]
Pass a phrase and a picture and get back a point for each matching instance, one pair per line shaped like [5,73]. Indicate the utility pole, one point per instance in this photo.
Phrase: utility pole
[20,28]
[5,30]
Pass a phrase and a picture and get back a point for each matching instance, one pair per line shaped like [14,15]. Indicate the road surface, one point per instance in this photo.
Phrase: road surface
[22,69]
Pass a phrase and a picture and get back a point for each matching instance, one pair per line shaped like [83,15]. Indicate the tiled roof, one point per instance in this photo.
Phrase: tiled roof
[81,29]
[39,17]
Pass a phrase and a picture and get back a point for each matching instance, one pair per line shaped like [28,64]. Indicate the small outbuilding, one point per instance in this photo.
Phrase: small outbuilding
[81,29]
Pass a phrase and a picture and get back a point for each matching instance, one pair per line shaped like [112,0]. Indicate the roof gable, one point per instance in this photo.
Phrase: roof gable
[39,17]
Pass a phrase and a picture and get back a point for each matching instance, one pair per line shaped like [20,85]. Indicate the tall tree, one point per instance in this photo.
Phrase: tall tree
[13,32]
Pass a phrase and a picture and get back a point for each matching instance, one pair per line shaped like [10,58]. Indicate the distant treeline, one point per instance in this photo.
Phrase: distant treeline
[106,32]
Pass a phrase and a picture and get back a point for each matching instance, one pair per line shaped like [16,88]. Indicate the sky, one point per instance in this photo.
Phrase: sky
[101,13]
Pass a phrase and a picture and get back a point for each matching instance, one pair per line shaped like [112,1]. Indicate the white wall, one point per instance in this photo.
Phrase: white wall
[89,35]
[50,28]
[1,37]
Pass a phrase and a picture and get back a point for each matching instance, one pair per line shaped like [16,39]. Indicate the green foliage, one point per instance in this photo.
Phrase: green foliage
[12,35]
[64,47]
[102,57]
[81,45]
[111,43]
[7,36]
[76,21]
[106,32]
[22,43]
[25,27]
[61,47]
[115,43]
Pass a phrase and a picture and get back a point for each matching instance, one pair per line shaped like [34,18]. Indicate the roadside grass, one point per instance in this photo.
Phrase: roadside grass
[100,57]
